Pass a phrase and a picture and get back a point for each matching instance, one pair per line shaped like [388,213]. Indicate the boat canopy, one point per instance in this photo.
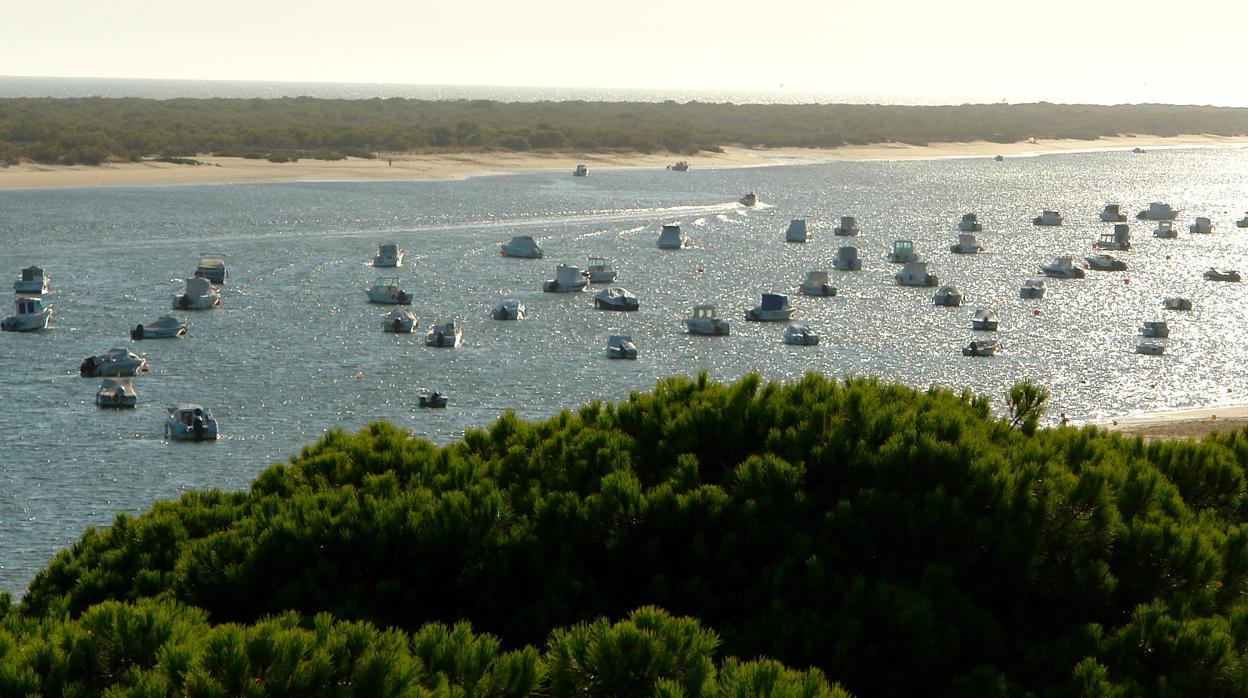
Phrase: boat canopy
[774,301]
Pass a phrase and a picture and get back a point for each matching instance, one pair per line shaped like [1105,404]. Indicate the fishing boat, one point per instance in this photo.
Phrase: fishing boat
[31,316]
[386,290]
[915,274]
[388,255]
[601,271]
[1118,239]
[212,267]
[1112,213]
[704,322]
[32,281]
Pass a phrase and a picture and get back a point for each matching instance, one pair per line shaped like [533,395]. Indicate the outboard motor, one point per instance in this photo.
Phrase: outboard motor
[198,426]
[88,367]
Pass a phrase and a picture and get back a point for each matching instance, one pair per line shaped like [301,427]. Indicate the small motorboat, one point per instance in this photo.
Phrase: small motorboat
[985,320]
[580,171]
[190,422]
[199,295]
[118,361]
[796,231]
[32,281]
[522,246]
[816,284]
[1157,211]
[800,335]
[966,244]
[1062,268]
[703,321]
[1047,218]
[388,255]
[1112,213]
[601,271]
[999,158]
[1242,222]
[432,399]
[1150,347]
[1119,239]
[980,347]
[970,224]
[775,308]
[1202,225]
[1175,303]
[847,227]
[1165,230]
[903,252]
[672,238]
[116,392]
[1032,288]
[400,321]
[1104,262]
[386,290]
[616,298]
[164,327]
[1155,328]
[31,316]
[568,279]
[1137,150]
[509,309]
[446,334]
[915,274]
[750,199]
[1222,275]
[212,267]
[679,166]
[621,346]
[847,259]
[948,296]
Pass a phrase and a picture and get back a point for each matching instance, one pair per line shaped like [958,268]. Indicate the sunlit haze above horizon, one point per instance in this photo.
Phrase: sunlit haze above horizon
[960,51]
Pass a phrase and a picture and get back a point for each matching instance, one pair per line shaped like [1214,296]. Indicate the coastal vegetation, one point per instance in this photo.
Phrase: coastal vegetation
[95,130]
[890,540]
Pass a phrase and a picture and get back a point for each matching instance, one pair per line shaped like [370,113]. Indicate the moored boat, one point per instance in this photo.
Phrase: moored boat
[1157,211]
[523,247]
[432,399]
[671,237]
[970,224]
[1155,328]
[1176,303]
[847,259]
[948,296]
[1118,239]
[400,321]
[915,274]
[386,290]
[621,346]
[750,199]
[800,335]
[567,279]
[164,327]
[985,320]
[190,422]
[1104,262]
[1202,225]
[1112,213]
[1032,288]
[796,231]
[1150,347]
[32,281]
[616,298]
[980,347]
[903,252]
[212,267]
[31,316]
[847,227]
[704,322]
[817,284]
[1062,268]
[774,308]
[388,255]
[118,361]
[445,334]
[1165,230]
[580,171]
[1047,218]
[199,295]
[508,309]
[1222,275]
[601,271]
[966,244]
[116,392]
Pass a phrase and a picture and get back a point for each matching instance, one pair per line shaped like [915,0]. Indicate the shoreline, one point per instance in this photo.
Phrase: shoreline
[407,167]
[1180,424]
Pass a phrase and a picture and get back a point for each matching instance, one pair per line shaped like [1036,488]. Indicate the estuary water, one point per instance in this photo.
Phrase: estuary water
[296,349]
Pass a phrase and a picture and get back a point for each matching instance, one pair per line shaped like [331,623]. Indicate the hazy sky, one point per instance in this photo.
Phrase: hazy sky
[1058,50]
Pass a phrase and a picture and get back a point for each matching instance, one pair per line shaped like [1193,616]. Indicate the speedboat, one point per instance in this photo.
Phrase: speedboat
[948,296]
[703,321]
[797,231]
[621,346]
[388,255]
[970,224]
[1165,230]
[1119,239]
[116,392]
[432,399]
[1032,288]
[1221,275]
[1175,303]
[750,199]
[386,290]
[567,279]
[616,298]
[846,259]
[31,315]
[816,284]
[847,227]
[1150,347]
[523,246]
[400,321]
[1155,328]
[601,271]
[1203,225]
[984,320]
[164,327]
[118,361]
[1112,213]
[980,347]
[1157,211]
[446,334]
[509,309]
[211,267]
[1062,268]
[915,274]
[580,171]
[1104,262]
[199,294]
[966,244]
[190,422]
[903,252]
[1242,222]
[775,308]
[679,166]
[800,335]
[672,238]
[32,281]
[1047,218]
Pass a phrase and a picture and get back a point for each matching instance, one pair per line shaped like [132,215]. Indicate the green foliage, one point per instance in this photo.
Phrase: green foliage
[1026,405]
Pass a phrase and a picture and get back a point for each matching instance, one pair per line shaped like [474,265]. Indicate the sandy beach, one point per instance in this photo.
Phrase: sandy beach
[1182,424]
[421,166]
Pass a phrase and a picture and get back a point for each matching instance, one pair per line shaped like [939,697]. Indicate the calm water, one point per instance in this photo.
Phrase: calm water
[278,363]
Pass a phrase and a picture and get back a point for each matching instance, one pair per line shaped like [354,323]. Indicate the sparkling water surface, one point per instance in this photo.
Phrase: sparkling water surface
[296,349]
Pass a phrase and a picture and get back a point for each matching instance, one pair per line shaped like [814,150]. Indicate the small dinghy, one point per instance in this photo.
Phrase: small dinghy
[980,347]
[116,392]
[800,335]
[1222,275]
[432,399]
[164,327]
[621,346]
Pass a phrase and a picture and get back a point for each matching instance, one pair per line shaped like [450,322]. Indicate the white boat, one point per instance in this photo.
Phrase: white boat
[567,280]
[522,246]
[616,298]
[1221,275]
[32,281]
[388,255]
[1157,211]
[190,422]
[1150,347]
[432,399]
[580,171]
[847,259]
[1155,328]
[948,296]
[847,227]
[1119,239]
[164,327]
[31,316]
[386,290]
[1112,213]
[1032,288]
[1203,226]
[621,346]
[601,271]
[970,224]
[116,392]
[212,267]
[703,321]
[980,347]
[1176,303]
[774,308]
[915,274]
[903,252]
[750,199]
[985,320]
[118,361]
[966,244]
[509,309]
[1062,268]
[816,284]
[199,294]
[800,335]
[1242,222]
[1104,262]
[672,238]
[796,231]
[445,334]
[1165,230]
[1047,218]
[400,321]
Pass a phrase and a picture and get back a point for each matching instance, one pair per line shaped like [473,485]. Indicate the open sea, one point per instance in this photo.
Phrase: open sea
[296,349]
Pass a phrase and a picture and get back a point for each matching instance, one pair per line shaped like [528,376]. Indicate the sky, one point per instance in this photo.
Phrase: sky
[1103,51]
